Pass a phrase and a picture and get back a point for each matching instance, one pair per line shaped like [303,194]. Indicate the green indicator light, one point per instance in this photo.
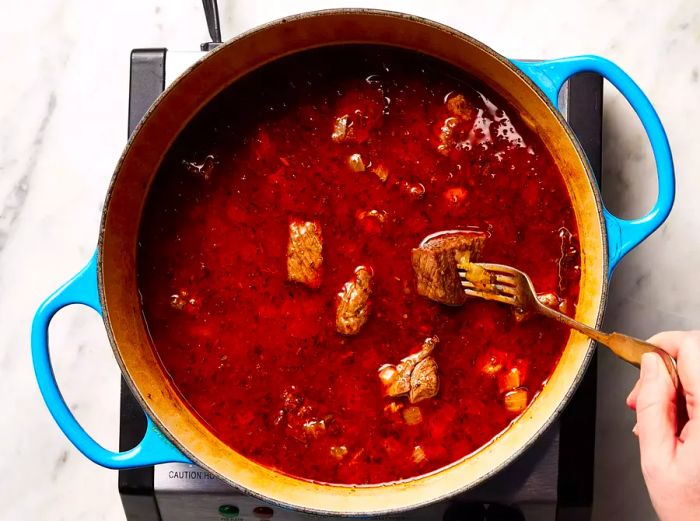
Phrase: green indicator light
[228,510]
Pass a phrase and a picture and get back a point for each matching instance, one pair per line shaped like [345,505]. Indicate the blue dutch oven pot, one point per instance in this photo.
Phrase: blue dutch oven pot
[108,283]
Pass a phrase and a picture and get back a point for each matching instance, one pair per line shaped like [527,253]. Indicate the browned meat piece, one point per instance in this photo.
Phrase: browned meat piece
[304,253]
[435,264]
[415,376]
[425,381]
[353,302]
[399,383]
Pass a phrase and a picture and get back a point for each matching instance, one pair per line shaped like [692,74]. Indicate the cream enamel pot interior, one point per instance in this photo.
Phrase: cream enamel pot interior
[108,282]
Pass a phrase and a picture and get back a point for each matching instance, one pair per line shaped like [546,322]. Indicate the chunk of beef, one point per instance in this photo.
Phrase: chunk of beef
[435,264]
[353,302]
[305,253]
[425,381]
[415,376]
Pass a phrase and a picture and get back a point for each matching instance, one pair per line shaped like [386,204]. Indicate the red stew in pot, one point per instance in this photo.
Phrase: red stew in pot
[287,286]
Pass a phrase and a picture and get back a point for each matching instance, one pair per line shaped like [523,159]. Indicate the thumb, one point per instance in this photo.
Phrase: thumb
[656,414]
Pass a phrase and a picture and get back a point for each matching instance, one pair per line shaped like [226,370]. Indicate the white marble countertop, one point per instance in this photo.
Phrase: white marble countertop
[63,108]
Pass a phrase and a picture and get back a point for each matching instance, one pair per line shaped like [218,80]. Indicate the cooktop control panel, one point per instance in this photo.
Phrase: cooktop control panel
[186,492]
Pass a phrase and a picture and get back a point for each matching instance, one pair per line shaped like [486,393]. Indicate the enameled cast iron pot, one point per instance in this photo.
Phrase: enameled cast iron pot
[108,283]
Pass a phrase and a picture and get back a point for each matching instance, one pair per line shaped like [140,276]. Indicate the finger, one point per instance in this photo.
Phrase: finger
[656,414]
[684,346]
[671,341]
[688,362]
[691,435]
[632,397]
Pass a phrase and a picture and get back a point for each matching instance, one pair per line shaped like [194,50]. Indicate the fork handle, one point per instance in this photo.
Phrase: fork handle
[626,347]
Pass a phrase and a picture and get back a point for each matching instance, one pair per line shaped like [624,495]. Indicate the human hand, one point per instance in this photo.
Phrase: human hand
[670,461]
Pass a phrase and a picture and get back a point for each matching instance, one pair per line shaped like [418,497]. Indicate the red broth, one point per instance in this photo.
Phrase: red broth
[256,356]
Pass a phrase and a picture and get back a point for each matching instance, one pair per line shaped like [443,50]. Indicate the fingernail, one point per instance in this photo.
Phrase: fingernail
[649,368]
[634,430]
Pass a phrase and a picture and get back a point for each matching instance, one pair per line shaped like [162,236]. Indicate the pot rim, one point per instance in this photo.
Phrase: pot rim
[575,380]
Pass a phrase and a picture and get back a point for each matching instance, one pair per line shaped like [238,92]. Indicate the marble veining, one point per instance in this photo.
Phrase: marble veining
[13,203]
[63,107]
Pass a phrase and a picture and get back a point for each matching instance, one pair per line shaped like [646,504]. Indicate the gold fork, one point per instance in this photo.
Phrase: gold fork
[510,286]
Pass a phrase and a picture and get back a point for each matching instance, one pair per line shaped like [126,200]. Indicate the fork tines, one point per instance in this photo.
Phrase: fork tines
[487,282]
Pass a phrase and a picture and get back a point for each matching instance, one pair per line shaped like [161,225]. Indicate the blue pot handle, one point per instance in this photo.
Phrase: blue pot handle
[623,234]
[154,448]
